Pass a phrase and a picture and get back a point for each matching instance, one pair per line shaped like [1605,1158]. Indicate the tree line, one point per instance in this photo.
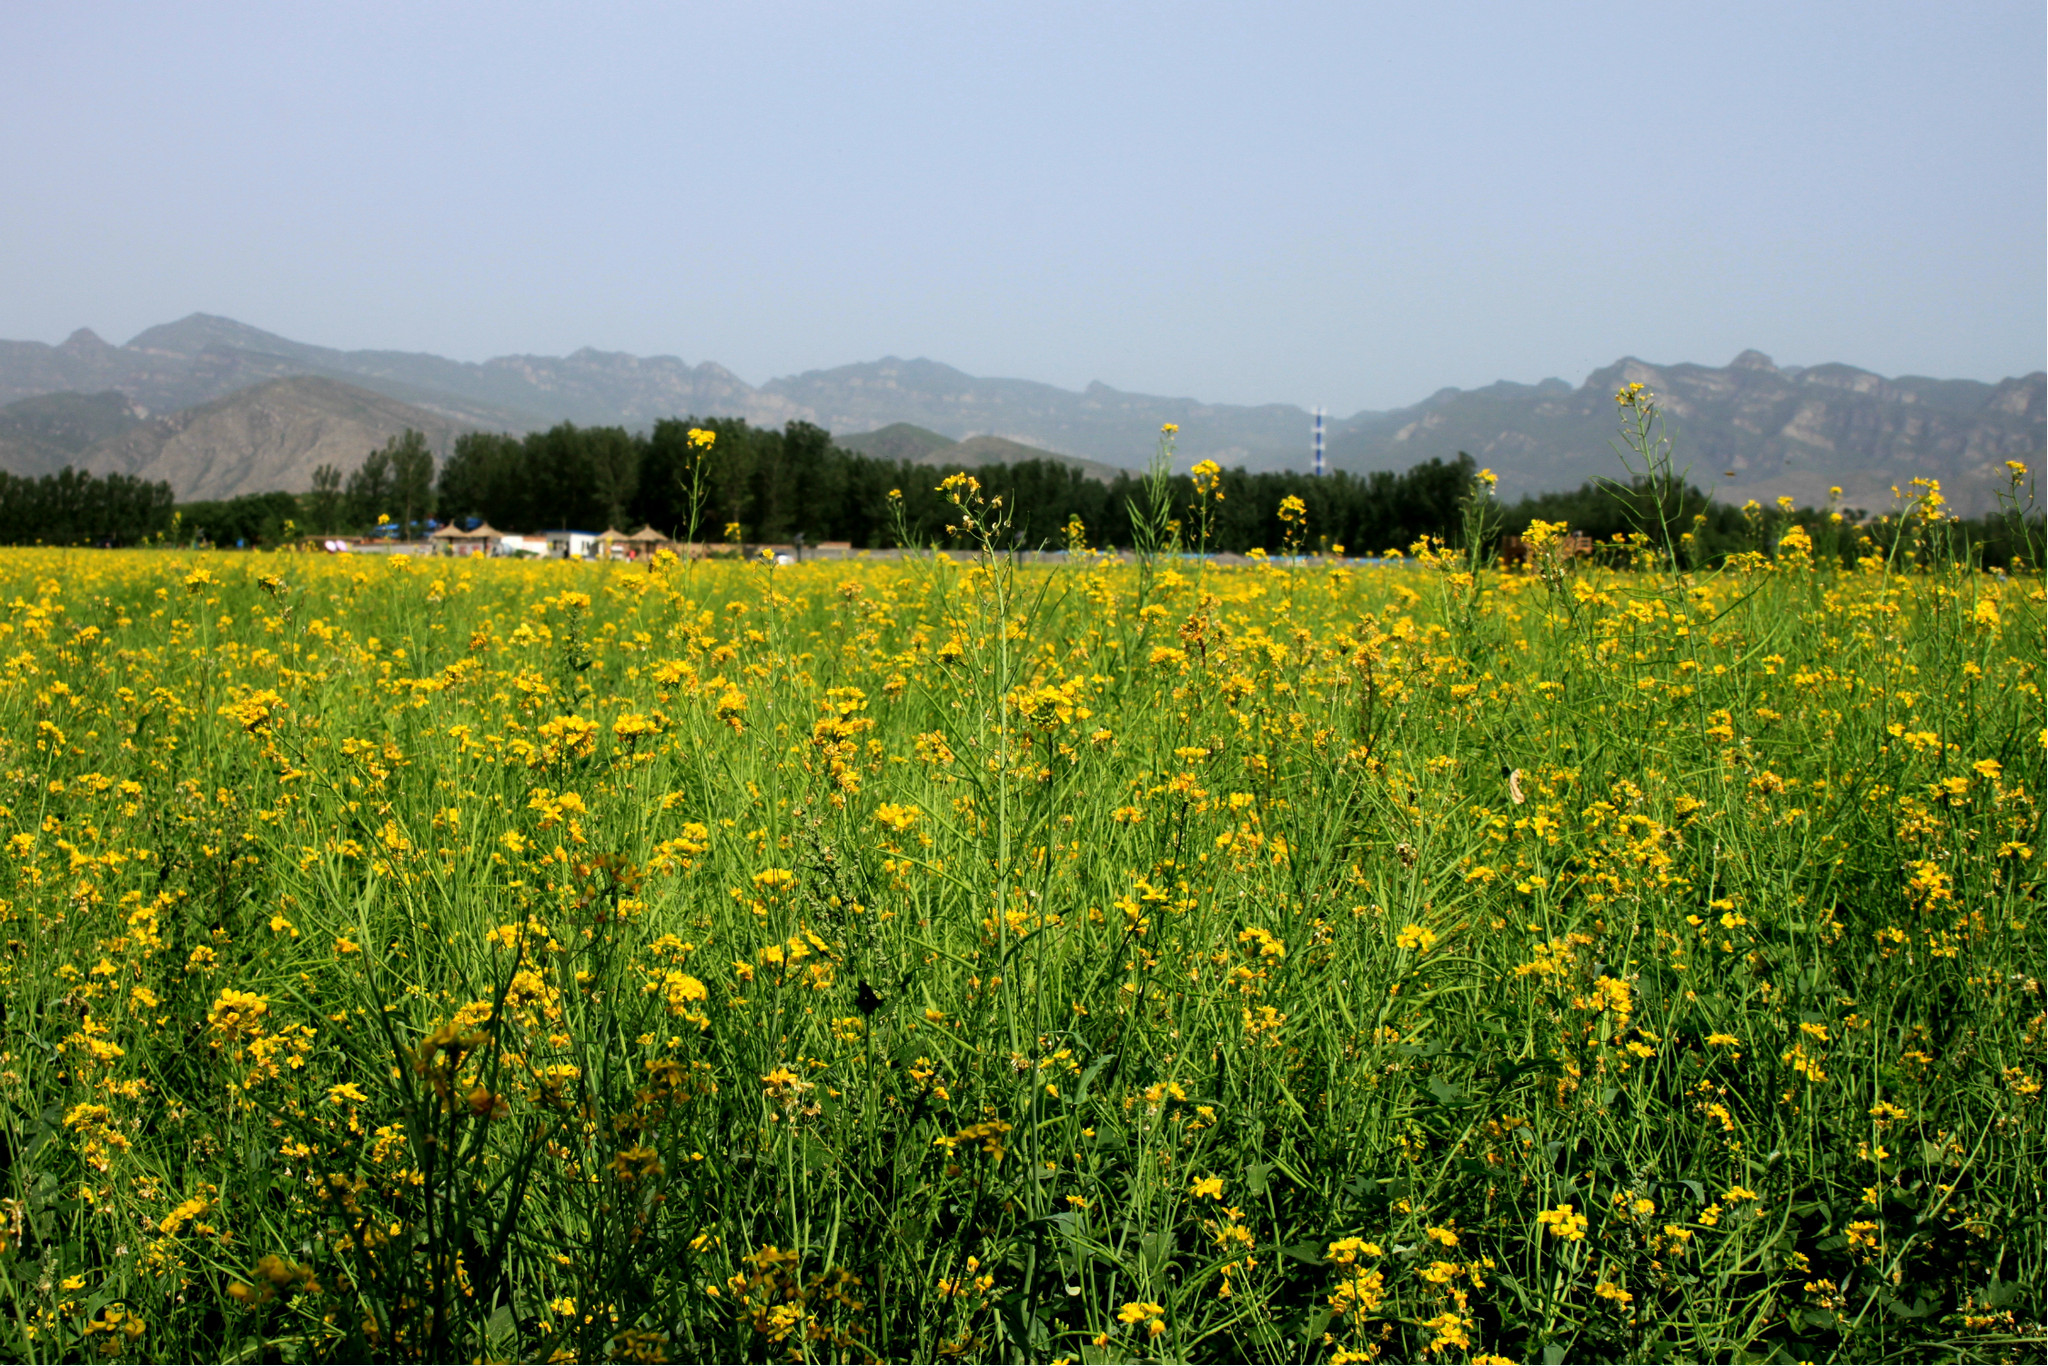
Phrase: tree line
[766,485]
[758,484]
[761,484]
[73,507]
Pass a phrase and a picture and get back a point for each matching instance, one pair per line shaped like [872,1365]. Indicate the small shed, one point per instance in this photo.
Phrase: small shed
[453,540]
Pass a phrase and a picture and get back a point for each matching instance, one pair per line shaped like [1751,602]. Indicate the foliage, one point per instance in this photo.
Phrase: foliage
[946,958]
[255,519]
[778,484]
[325,504]
[73,507]
[412,479]
[368,493]
[394,483]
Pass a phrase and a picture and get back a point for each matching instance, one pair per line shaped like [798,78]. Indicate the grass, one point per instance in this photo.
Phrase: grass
[434,959]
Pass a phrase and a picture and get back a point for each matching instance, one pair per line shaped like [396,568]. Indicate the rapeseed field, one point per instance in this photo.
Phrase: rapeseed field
[1595,959]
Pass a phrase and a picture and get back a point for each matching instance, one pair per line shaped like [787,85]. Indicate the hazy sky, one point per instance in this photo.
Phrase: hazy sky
[1349,204]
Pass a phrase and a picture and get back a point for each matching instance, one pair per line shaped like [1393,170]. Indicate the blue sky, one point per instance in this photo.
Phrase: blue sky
[1350,205]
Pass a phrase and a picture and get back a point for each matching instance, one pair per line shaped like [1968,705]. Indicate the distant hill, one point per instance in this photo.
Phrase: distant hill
[922,446]
[270,437]
[1120,429]
[1780,430]
[997,450]
[897,441]
[42,435]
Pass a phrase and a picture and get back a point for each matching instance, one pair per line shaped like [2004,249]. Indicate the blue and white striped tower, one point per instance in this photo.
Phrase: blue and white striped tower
[1319,443]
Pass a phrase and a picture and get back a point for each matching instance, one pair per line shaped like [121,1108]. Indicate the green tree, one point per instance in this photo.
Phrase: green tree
[412,478]
[482,477]
[369,488]
[614,457]
[324,503]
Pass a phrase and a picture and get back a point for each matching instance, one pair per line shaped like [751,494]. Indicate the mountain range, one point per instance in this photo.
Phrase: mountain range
[1748,430]
[218,407]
